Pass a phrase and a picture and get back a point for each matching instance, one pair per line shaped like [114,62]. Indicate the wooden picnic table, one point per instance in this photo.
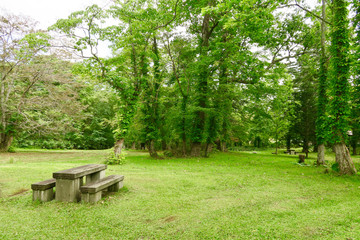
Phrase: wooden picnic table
[69,181]
[291,152]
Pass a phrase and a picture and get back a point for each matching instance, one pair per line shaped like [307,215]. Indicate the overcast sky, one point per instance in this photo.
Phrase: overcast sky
[46,12]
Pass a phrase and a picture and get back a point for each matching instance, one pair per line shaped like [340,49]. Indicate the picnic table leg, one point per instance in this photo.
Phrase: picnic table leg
[95,177]
[116,187]
[91,197]
[44,195]
[68,190]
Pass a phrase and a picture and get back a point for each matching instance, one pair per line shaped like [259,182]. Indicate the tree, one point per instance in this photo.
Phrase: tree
[356,76]
[31,83]
[305,96]
[339,108]
[114,71]
[321,120]
[281,111]
[17,49]
[128,71]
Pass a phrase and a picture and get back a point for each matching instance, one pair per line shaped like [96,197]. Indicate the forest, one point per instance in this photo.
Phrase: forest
[185,78]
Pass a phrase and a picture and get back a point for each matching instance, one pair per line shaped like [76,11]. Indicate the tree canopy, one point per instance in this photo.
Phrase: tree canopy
[187,77]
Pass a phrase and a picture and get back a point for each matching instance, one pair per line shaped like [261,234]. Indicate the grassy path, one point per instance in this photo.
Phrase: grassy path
[226,196]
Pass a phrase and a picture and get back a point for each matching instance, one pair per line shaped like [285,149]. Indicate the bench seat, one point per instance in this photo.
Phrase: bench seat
[92,192]
[43,191]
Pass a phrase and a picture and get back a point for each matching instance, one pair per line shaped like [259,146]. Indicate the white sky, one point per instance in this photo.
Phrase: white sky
[46,12]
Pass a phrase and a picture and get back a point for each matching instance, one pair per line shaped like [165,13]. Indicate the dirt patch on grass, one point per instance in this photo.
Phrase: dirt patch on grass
[170,219]
[18,192]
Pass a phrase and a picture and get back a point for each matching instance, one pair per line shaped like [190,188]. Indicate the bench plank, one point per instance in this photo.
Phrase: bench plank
[78,172]
[44,185]
[101,184]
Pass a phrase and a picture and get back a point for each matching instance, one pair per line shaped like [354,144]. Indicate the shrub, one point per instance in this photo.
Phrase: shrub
[113,160]
[11,149]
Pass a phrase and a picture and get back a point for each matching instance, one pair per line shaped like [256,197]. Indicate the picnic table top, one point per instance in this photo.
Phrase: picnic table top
[78,172]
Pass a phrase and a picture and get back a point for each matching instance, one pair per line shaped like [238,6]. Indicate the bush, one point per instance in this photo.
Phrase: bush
[335,167]
[113,160]
[11,149]
[168,153]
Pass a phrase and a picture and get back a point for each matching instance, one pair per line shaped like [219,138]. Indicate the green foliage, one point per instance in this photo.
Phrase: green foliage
[335,167]
[228,78]
[89,126]
[115,160]
[339,96]
[33,41]
[355,93]
[12,149]
[322,128]
[89,21]
[321,121]
[302,129]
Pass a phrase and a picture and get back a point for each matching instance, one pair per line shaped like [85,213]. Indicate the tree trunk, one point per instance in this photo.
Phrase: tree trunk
[206,150]
[288,142]
[202,87]
[322,96]
[196,149]
[306,147]
[133,146]
[321,155]
[223,146]
[5,141]
[316,146]
[276,141]
[163,145]
[118,147]
[301,158]
[342,157]
[152,150]
[184,152]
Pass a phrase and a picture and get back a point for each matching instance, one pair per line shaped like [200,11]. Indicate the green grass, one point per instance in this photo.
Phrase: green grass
[227,196]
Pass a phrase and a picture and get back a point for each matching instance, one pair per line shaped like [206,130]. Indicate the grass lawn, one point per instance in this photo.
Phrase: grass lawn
[227,196]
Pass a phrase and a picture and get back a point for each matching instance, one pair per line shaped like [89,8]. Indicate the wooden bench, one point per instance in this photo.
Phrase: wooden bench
[43,191]
[69,181]
[92,192]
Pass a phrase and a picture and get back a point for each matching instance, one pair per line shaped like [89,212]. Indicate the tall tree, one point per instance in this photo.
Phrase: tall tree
[356,73]
[305,95]
[322,98]
[125,80]
[339,108]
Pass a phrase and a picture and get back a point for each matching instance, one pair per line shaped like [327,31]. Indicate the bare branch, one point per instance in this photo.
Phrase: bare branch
[308,11]
[171,20]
